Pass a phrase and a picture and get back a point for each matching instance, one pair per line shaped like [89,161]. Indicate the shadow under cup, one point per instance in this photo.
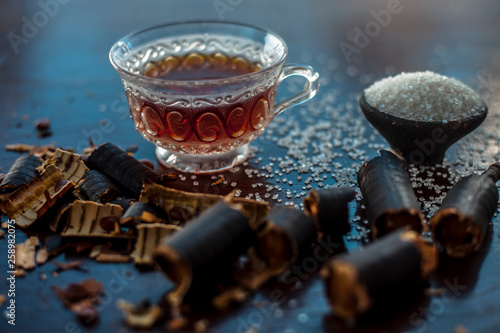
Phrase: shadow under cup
[204,125]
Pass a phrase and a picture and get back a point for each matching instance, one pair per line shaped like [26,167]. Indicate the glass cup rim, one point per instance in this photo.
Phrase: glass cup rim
[190,82]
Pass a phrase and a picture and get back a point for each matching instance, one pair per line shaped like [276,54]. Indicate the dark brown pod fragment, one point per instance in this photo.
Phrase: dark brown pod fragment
[34,199]
[97,187]
[183,206]
[22,172]
[395,265]
[70,164]
[141,212]
[121,167]
[388,195]
[205,249]
[329,210]
[82,298]
[461,223]
[288,234]
[82,219]
[124,203]
[43,127]
[148,237]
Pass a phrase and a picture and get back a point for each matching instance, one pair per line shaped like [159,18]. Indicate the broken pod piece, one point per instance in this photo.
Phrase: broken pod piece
[32,200]
[462,221]
[395,265]
[124,203]
[183,206]
[142,316]
[388,195]
[83,219]
[330,211]
[121,167]
[97,187]
[141,212]
[203,252]
[82,298]
[22,172]
[70,164]
[25,253]
[288,234]
[148,237]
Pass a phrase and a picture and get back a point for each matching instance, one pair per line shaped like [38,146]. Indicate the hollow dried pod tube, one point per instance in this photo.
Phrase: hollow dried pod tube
[121,167]
[329,210]
[97,187]
[388,195]
[22,172]
[141,212]
[392,266]
[461,223]
[288,234]
[204,250]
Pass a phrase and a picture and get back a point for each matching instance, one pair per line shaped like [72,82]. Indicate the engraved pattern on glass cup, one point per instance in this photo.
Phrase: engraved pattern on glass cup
[207,127]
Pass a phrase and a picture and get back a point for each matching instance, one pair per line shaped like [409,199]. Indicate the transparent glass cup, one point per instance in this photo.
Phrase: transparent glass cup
[205,125]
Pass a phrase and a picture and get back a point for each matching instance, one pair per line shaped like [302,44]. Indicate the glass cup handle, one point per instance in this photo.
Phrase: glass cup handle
[310,87]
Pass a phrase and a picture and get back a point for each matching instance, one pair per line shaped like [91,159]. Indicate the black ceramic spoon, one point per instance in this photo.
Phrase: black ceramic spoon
[420,142]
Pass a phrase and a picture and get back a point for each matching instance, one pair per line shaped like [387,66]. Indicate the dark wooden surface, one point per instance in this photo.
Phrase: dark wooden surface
[61,71]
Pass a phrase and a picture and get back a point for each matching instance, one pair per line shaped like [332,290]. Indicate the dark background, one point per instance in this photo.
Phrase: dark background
[61,71]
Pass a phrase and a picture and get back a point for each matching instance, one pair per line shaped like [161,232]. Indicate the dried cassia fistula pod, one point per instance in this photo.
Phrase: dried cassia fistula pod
[97,187]
[206,248]
[462,221]
[329,209]
[388,195]
[70,164]
[183,206]
[148,237]
[124,203]
[121,167]
[141,212]
[395,265]
[32,200]
[83,219]
[22,172]
[289,233]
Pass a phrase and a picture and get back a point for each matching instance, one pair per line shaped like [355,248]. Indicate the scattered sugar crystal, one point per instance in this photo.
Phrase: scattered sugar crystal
[278,313]
[303,318]
[424,96]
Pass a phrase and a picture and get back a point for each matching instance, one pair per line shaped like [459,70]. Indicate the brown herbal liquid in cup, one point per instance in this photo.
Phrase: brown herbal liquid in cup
[205,126]
[195,66]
